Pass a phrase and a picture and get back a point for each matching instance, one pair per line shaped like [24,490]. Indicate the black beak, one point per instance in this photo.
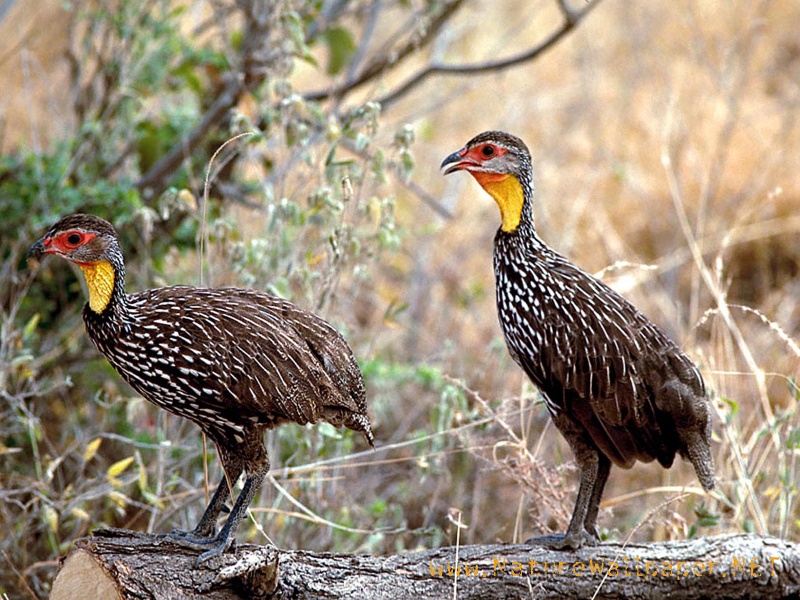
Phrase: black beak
[36,253]
[452,159]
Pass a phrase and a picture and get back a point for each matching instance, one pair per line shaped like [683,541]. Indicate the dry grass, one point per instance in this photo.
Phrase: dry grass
[665,150]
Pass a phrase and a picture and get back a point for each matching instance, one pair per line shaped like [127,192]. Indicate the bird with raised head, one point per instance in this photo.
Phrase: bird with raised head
[617,388]
[235,361]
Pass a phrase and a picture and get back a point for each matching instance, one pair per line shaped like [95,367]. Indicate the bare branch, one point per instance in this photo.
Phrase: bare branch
[426,197]
[255,55]
[366,37]
[167,164]
[571,19]
[569,14]
[411,186]
[390,59]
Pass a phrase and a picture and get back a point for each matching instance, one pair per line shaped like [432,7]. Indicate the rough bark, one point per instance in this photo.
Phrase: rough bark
[128,565]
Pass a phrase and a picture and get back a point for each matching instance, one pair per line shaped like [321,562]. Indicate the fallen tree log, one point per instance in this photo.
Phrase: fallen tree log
[127,565]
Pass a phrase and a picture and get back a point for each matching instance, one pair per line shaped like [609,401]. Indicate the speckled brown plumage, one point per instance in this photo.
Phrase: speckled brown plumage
[235,361]
[616,386]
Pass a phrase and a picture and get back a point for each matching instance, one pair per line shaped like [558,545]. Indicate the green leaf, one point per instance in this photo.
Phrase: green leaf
[734,407]
[50,517]
[91,449]
[793,440]
[341,48]
[79,513]
[329,431]
[117,469]
[30,326]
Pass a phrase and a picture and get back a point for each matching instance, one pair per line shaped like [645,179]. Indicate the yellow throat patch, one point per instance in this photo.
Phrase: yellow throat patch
[100,281]
[507,192]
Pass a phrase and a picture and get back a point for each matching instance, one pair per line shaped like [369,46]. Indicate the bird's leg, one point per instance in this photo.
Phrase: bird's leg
[257,468]
[206,528]
[589,460]
[225,537]
[232,465]
[577,535]
[603,470]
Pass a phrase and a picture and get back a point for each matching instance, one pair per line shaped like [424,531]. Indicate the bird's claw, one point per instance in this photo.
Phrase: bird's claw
[192,537]
[564,541]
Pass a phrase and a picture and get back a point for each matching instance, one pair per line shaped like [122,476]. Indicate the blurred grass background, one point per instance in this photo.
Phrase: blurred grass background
[666,151]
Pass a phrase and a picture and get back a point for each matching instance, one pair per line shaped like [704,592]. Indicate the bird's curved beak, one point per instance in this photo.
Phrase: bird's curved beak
[36,252]
[456,162]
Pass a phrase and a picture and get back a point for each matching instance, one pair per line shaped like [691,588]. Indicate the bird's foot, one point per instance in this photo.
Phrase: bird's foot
[192,537]
[564,541]
[593,531]
[222,546]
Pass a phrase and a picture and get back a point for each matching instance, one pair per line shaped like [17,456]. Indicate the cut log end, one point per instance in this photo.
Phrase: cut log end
[116,565]
[81,576]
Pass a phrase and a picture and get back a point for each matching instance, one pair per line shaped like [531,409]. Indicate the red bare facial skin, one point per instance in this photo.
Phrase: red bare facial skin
[472,159]
[62,244]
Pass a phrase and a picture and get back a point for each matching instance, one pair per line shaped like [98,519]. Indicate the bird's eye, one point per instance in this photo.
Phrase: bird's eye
[74,239]
[487,151]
